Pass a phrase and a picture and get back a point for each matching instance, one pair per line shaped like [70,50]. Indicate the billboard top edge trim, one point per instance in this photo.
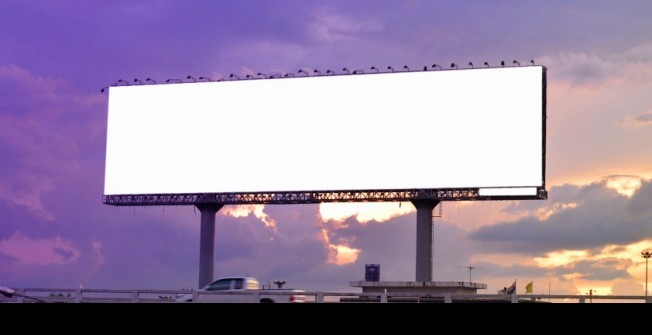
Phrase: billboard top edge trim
[293,76]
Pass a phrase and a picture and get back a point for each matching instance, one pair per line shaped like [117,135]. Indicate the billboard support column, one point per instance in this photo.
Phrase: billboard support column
[207,243]
[424,239]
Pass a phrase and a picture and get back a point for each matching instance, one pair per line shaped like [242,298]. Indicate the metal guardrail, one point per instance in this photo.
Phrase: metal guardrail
[168,296]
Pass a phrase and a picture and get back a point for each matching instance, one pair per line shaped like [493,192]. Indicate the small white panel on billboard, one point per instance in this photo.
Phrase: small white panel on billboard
[506,191]
[412,130]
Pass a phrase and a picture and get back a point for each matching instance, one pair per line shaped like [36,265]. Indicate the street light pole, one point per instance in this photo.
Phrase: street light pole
[590,294]
[646,254]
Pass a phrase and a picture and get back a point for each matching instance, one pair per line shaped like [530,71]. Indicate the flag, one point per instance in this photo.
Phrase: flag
[529,287]
[511,289]
[508,290]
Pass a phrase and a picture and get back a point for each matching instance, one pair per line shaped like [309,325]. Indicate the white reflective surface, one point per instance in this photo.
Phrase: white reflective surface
[444,129]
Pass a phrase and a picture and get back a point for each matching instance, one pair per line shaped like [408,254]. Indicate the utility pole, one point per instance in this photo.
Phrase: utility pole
[646,254]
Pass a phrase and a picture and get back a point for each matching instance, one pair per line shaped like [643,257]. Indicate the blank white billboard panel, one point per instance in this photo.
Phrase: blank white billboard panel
[480,128]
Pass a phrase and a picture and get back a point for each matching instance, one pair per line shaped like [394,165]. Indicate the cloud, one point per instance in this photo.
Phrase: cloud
[639,121]
[364,212]
[559,258]
[590,70]
[638,54]
[601,216]
[281,55]
[566,197]
[45,251]
[624,184]
[628,287]
[597,270]
[339,254]
[504,272]
[245,210]
[331,26]
[43,129]
[49,262]
[298,251]
[569,271]
[97,250]
[580,68]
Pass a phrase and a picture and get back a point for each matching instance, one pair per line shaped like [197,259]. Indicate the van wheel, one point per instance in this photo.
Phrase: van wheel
[266,301]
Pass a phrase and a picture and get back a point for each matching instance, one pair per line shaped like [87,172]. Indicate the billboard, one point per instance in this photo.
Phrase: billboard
[474,129]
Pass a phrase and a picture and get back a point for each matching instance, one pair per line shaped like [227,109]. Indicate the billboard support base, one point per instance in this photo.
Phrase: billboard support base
[207,243]
[424,239]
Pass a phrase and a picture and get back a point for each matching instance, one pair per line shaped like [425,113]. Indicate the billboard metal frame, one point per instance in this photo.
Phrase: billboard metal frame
[313,197]
[285,198]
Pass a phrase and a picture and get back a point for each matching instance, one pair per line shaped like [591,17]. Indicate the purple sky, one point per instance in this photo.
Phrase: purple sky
[55,57]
